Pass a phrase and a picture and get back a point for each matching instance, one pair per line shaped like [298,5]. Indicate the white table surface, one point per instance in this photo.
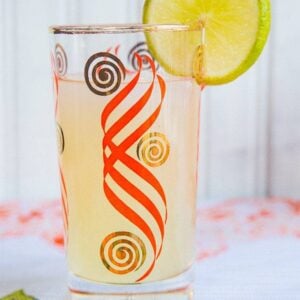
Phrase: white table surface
[248,249]
[261,270]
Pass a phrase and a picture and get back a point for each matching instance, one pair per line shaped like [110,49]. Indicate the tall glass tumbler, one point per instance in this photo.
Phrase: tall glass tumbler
[128,136]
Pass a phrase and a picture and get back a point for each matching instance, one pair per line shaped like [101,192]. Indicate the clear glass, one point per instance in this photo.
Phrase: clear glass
[128,137]
[182,294]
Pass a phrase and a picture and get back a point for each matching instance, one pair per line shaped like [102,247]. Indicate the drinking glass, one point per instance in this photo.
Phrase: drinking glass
[182,294]
[128,136]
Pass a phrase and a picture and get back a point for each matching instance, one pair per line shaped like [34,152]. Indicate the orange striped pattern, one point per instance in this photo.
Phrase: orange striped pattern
[119,153]
[61,175]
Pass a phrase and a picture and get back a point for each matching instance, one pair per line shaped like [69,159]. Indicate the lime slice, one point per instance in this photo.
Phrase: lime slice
[234,35]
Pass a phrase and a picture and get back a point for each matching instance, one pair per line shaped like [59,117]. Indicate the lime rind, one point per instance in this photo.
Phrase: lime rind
[264,28]
[198,68]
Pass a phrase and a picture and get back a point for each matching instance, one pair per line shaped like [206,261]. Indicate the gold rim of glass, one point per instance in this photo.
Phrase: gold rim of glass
[118,28]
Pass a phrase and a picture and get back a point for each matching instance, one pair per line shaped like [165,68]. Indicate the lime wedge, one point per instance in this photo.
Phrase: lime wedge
[18,295]
[234,35]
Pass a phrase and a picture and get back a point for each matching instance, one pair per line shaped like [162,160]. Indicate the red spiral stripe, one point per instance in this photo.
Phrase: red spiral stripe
[63,187]
[118,153]
[64,196]
[55,82]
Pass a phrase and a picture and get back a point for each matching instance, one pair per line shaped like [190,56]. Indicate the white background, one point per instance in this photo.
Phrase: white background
[250,143]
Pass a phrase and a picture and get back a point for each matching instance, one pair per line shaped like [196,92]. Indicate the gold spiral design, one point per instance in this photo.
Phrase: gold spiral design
[60,138]
[122,252]
[61,61]
[153,149]
[104,73]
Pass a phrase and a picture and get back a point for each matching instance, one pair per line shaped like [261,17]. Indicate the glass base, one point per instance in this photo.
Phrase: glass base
[83,286]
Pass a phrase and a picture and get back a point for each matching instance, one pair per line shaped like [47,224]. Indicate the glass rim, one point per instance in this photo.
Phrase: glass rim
[118,28]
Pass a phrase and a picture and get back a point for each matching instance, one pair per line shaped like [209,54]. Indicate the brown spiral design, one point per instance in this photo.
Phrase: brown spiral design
[60,138]
[61,60]
[153,149]
[122,252]
[104,73]
[142,50]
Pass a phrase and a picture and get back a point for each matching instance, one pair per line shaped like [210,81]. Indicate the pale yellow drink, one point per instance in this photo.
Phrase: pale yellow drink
[91,216]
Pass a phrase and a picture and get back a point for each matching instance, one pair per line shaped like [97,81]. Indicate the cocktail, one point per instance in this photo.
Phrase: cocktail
[127,105]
